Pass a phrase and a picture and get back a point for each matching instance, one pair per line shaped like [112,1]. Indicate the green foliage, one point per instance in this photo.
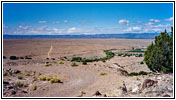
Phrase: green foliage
[55,80]
[137,74]
[47,65]
[159,55]
[48,78]
[108,53]
[102,73]
[42,78]
[78,59]
[61,62]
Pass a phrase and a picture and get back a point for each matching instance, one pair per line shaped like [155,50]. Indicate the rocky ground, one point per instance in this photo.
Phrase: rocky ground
[30,75]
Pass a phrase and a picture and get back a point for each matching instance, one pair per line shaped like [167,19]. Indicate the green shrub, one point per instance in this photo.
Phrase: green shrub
[137,74]
[42,78]
[47,65]
[78,59]
[48,78]
[159,55]
[102,73]
[55,80]
[133,74]
[61,62]
[20,77]
[143,73]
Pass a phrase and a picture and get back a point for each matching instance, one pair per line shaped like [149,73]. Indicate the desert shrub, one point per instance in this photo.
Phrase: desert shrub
[48,78]
[78,59]
[138,55]
[42,78]
[133,74]
[19,84]
[143,73]
[47,65]
[141,62]
[74,64]
[13,58]
[159,55]
[102,73]
[20,77]
[55,80]
[61,62]
[33,87]
[137,74]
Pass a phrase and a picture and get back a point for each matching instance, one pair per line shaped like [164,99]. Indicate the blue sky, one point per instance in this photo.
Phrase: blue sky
[86,18]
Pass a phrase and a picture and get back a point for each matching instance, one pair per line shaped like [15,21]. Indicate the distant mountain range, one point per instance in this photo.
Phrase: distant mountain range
[120,36]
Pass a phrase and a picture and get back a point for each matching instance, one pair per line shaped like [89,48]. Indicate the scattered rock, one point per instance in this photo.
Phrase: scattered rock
[148,83]
[13,92]
[97,93]
[4,82]
[166,95]
[124,89]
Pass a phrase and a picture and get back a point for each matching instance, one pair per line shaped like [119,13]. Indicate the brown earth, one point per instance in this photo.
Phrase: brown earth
[81,80]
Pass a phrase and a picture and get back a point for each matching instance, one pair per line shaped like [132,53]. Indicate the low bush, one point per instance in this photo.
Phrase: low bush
[49,78]
[55,80]
[42,78]
[137,74]
[20,77]
[47,65]
[108,53]
[102,73]
[61,62]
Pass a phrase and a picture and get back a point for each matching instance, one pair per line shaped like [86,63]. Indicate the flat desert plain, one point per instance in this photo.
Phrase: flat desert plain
[43,68]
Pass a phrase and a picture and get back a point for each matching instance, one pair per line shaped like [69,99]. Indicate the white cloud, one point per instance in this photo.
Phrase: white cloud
[41,22]
[133,29]
[23,27]
[169,19]
[65,21]
[123,22]
[154,20]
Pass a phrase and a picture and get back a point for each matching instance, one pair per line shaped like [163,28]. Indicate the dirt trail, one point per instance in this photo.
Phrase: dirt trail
[51,48]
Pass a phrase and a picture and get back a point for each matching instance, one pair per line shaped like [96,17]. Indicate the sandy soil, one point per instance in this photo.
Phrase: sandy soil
[83,78]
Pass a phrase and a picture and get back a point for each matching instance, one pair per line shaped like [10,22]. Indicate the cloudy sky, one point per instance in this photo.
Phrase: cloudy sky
[86,18]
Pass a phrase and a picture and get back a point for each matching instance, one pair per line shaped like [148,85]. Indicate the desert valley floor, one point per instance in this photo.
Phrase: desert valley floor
[40,60]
